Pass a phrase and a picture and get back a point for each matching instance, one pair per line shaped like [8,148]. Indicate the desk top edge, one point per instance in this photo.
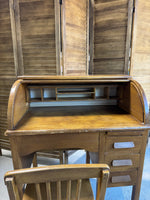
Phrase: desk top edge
[88,77]
[76,131]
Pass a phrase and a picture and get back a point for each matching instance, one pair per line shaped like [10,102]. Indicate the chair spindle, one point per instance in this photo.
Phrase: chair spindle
[58,190]
[78,189]
[38,191]
[68,190]
[48,191]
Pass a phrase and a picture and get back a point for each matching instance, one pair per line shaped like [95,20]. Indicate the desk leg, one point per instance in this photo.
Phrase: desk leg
[0,152]
[19,161]
[137,186]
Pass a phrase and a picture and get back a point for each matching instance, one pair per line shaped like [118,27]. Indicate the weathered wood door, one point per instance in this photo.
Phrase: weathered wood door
[111,23]
[75,37]
[34,38]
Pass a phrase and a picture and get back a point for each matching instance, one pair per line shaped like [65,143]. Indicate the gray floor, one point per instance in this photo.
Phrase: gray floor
[118,193]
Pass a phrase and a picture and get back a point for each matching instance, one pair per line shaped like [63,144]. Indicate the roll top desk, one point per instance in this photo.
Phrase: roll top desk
[105,115]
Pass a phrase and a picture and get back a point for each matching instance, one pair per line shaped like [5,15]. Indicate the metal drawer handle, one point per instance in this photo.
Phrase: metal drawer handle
[117,163]
[123,145]
[120,179]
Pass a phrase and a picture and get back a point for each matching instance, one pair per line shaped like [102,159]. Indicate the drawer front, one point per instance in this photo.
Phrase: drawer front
[123,144]
[123,162]
[46,142]
[122,178]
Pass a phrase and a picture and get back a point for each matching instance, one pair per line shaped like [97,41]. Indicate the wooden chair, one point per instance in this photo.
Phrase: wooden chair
[58,182]
[62,155]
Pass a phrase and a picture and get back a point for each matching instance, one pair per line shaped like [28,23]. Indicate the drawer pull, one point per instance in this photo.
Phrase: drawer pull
[120,179]
[123,145]
[117,163]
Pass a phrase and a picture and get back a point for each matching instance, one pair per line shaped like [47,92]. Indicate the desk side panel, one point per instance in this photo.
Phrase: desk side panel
[17,106]
[133,100]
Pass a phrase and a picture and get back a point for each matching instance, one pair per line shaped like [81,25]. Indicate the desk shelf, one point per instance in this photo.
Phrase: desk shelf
[41,93]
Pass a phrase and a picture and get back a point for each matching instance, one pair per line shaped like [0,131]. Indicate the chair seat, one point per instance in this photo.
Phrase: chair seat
[86,191]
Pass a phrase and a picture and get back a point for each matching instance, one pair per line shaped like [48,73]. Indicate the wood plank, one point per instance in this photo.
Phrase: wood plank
[75,37]
[111,36]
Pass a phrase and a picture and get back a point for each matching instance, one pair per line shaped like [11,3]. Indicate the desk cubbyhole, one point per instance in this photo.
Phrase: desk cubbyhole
[75,93]
[106,92]
[49,94]
[113,92]
[35,95]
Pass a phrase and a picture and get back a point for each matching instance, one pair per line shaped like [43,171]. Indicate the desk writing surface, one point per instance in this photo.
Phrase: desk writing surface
[77,118]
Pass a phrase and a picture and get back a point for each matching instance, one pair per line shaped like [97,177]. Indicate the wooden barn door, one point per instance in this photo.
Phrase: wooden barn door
[112,27]
[75,22]
[34,39]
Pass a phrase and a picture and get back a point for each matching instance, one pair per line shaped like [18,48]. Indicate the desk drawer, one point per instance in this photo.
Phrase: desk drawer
[122,178]
[123,162]
[123,143]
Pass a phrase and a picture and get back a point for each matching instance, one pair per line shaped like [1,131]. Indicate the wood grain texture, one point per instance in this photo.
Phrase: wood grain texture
[93,128]
[17,106]
[110,36]
[7,68]
[140,69]
[75,38]
[77,118]
[57,176]
[5,86]
[6,47]
[35,32]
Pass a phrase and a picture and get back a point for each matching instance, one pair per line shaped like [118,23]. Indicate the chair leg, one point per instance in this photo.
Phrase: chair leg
[35,160]
[87,157]
[66,157]
[61,157]
[0,152]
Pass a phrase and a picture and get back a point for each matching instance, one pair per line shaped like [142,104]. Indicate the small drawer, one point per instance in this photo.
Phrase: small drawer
[120,144]
[122,178]
[123,162]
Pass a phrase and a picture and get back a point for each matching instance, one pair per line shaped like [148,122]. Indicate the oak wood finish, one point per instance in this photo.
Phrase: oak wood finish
[19,107]
[71,178]
[101,130]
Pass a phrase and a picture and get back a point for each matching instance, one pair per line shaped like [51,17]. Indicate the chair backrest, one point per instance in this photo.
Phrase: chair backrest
[49,174]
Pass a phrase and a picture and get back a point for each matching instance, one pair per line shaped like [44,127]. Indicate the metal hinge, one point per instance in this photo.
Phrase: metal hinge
[62,71]
[60,1]
[133,9]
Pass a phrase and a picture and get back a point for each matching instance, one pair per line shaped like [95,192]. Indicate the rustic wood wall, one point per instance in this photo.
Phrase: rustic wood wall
[7,69]
[140,68]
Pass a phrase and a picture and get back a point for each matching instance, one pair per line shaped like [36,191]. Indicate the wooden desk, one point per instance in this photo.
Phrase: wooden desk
[113,134]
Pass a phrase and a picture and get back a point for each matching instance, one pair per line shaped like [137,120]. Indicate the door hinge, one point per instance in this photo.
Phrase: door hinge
[62,71]
[60,1]
[133,9]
